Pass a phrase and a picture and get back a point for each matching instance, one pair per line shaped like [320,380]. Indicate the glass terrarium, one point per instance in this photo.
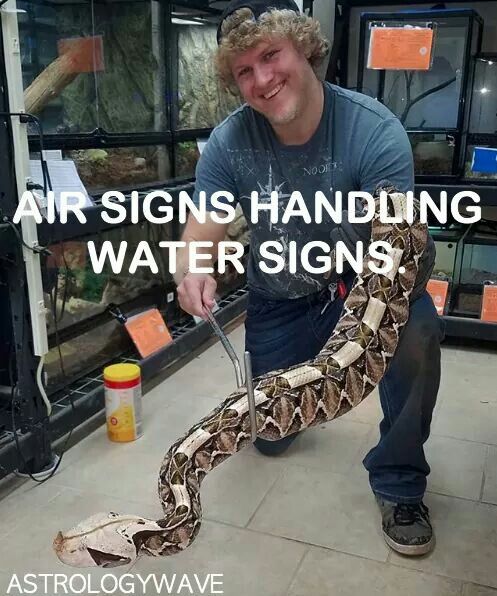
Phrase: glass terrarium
[91,65]
[446,244]
[478,266]
[481,159]
[433,153]
[75,297]
[202,101]
[428,96]
[484,101]
[116,168]
[481,150]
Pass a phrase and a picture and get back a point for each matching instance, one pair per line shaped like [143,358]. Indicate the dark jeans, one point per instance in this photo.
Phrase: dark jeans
[280,333]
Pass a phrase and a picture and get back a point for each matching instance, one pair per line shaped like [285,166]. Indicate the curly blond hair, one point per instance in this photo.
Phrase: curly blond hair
[240,32]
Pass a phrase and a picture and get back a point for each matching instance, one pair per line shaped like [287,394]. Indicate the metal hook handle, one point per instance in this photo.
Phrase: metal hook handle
[238,372]
[227,346]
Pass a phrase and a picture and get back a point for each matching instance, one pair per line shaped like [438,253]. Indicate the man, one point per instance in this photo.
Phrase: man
[297,133]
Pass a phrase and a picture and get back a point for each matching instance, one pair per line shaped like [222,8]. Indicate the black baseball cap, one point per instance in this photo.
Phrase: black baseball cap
[258,7]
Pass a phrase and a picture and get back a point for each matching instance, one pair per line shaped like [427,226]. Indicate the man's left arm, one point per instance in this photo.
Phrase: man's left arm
[386,156]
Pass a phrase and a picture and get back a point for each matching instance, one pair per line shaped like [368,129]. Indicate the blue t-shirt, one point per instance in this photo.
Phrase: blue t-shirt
[357,144]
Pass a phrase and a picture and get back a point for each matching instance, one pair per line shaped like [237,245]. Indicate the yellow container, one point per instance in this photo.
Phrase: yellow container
[123,402]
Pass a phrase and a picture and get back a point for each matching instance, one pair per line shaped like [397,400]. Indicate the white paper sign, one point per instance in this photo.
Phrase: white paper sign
[64,177]
[201,143]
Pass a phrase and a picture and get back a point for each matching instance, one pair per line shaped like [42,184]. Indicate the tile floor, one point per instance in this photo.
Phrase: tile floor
[303,523]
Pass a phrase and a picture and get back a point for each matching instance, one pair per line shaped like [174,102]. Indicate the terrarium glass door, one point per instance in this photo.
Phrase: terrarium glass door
[429,100]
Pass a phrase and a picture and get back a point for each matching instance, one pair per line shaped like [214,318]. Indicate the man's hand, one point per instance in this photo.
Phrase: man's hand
[196,292]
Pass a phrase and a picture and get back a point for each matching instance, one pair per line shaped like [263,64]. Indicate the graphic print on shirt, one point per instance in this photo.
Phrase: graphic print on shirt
[266,172]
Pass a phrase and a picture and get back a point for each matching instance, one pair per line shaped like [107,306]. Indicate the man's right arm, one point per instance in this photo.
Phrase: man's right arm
[213,173]
[196,290]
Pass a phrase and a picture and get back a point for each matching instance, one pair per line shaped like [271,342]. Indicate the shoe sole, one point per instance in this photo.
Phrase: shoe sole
[414,550]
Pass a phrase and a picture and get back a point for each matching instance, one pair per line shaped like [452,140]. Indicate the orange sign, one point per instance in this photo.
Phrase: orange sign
[148,332]
[438,290]
[86,53]
[489,304]
[70,254]
[399,48]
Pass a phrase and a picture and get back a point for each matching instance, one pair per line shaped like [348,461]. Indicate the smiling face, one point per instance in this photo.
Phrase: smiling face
[274,79]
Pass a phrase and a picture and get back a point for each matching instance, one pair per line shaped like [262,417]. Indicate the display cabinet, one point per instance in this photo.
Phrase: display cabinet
[445,100]
[479,165]
[133,88]
[432,103]
[124,91]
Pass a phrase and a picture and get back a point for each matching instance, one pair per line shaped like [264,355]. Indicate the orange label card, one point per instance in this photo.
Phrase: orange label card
[396,48]
[489,304]
[70,254]
[148,332]
[438,290]
[86,53]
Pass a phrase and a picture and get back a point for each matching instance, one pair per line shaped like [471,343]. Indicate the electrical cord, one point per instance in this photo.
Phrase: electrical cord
[44,165]
[37,477]
[53,304]
[41,477]
[38,250]
[24,118]
[40,385]
[47,184]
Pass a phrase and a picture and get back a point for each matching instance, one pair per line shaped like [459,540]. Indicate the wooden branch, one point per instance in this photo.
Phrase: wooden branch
[50,83]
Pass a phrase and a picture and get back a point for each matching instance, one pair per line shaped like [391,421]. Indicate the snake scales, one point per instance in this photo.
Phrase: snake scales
[345,371]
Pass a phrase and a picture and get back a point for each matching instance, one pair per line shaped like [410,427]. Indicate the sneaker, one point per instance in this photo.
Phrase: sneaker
[406,527]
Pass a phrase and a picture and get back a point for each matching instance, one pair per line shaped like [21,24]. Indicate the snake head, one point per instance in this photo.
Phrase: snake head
[104,540]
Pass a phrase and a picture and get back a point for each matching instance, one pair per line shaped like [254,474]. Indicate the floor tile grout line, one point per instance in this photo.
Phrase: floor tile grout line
[257,531]
[279,475]
[441,494]
[330,549]
[65,488]
[471,583]
[464,499]
[462,581]
[483,480]
[346,472]
[285,465]
[443,436]
[296,571]
[295,540]
[372,425]
[388,561]
[40,509]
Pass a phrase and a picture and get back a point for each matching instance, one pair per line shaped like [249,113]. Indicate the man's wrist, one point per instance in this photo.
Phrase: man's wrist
[180,275]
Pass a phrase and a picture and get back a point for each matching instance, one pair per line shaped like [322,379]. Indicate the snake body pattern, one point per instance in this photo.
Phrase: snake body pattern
[343,373]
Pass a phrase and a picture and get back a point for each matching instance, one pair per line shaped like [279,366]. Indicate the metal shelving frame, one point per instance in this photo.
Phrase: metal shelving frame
[456,326]
[27,434]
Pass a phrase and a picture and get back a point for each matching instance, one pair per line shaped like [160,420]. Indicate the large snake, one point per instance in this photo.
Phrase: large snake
[343,373]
